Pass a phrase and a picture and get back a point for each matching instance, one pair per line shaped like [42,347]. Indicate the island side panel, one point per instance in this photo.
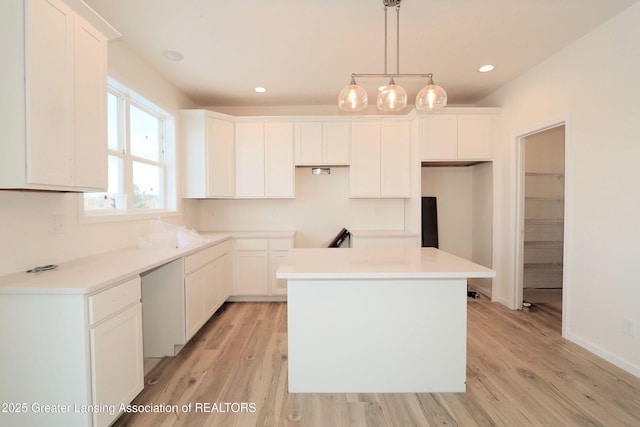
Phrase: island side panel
[377,336]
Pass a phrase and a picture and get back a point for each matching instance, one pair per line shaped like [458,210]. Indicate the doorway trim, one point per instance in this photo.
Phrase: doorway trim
[518,253]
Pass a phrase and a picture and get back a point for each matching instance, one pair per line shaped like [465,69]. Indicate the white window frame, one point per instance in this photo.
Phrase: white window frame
[128,97]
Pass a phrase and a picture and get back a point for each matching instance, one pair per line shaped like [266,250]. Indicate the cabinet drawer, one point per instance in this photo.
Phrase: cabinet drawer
[221,249]
[280,244]
[105,303]
[252,244]
[205,256]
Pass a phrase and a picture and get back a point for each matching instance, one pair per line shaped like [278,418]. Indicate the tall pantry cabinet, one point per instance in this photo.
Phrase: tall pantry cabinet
[53,104]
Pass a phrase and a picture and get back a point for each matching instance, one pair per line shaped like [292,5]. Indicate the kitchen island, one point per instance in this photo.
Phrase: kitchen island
[373,320]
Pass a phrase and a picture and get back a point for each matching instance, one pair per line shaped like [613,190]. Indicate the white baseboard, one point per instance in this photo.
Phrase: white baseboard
[606,355]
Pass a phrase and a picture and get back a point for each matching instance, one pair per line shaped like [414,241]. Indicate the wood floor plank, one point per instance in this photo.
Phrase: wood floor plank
[520,372]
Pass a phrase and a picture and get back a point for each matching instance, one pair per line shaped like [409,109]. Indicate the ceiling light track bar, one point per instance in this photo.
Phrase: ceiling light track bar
[429,75]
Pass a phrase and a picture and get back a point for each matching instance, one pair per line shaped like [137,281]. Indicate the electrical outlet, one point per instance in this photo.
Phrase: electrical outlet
[629,326]
[56,224]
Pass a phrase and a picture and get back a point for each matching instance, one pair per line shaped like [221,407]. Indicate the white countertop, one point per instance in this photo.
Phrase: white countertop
[377,263]
[87,275]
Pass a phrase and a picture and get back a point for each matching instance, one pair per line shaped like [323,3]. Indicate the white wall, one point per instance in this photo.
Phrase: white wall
[24,228]
[593,85]
[452,188]
[464,203]
[321,208]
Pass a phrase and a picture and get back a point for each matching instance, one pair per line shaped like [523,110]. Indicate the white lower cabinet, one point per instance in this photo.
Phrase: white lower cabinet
[63,354]
[256,262]
[117,368]
[206,288]
[117,362]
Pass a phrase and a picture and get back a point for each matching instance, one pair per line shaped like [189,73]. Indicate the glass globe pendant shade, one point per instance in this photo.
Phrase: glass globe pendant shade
[353,98]
[431,97]
[392,97]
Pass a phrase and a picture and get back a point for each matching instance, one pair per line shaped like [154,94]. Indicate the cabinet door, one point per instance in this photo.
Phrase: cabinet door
[279,167]
[116,362]
[49,63]
[364,173]
[251,273]
[90,51]
[211,289]
[250,160]
[474,137]
[440,138]
[194,295]
[395,159]
[308,143]
[225,284]
[221,156]
[336,136]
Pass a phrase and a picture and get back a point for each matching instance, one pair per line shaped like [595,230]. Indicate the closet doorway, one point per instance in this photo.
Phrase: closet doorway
[542,195]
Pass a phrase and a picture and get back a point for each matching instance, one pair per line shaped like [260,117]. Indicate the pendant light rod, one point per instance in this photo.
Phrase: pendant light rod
[398,38]
[386,38]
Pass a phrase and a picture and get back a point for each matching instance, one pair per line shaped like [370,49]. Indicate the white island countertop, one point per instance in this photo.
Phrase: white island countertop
[377,263]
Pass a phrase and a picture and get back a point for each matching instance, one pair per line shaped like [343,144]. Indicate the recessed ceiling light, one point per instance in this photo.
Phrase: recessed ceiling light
[172,55]
[260,89]
[486,68]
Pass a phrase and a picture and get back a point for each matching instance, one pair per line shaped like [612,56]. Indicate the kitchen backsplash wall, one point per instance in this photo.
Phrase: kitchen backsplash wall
[321,208]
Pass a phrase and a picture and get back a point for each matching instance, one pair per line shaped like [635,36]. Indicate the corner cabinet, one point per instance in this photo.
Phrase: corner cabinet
[264,160]
[256,262]
[209,155]
[463,137]
[54,97]
[380,160]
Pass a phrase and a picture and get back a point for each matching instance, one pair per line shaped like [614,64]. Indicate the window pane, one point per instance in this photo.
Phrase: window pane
[114,199]
[112,122]
[115,175]
[147,186]
[144,134]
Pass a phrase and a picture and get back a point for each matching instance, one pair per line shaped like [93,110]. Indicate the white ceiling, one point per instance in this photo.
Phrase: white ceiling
[304,51]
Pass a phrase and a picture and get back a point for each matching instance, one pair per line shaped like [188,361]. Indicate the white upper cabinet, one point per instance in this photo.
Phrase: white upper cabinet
[264,160]
[322,143]
[209,155]
[54,98]
[440,138]
[474,137]
[456,137]
[380,160]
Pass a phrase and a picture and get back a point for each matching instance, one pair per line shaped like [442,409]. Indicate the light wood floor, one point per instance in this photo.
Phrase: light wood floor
[520,372]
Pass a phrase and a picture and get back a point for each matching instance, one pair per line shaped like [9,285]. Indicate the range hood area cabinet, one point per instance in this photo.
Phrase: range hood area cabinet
[457,138]
[208,141]
[54,89]
[380,160]
[323,143]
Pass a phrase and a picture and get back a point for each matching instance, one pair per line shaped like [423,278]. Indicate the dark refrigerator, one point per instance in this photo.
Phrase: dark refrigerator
[429,223]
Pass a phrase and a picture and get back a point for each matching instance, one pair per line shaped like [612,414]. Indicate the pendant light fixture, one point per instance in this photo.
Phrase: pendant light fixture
[391,97]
